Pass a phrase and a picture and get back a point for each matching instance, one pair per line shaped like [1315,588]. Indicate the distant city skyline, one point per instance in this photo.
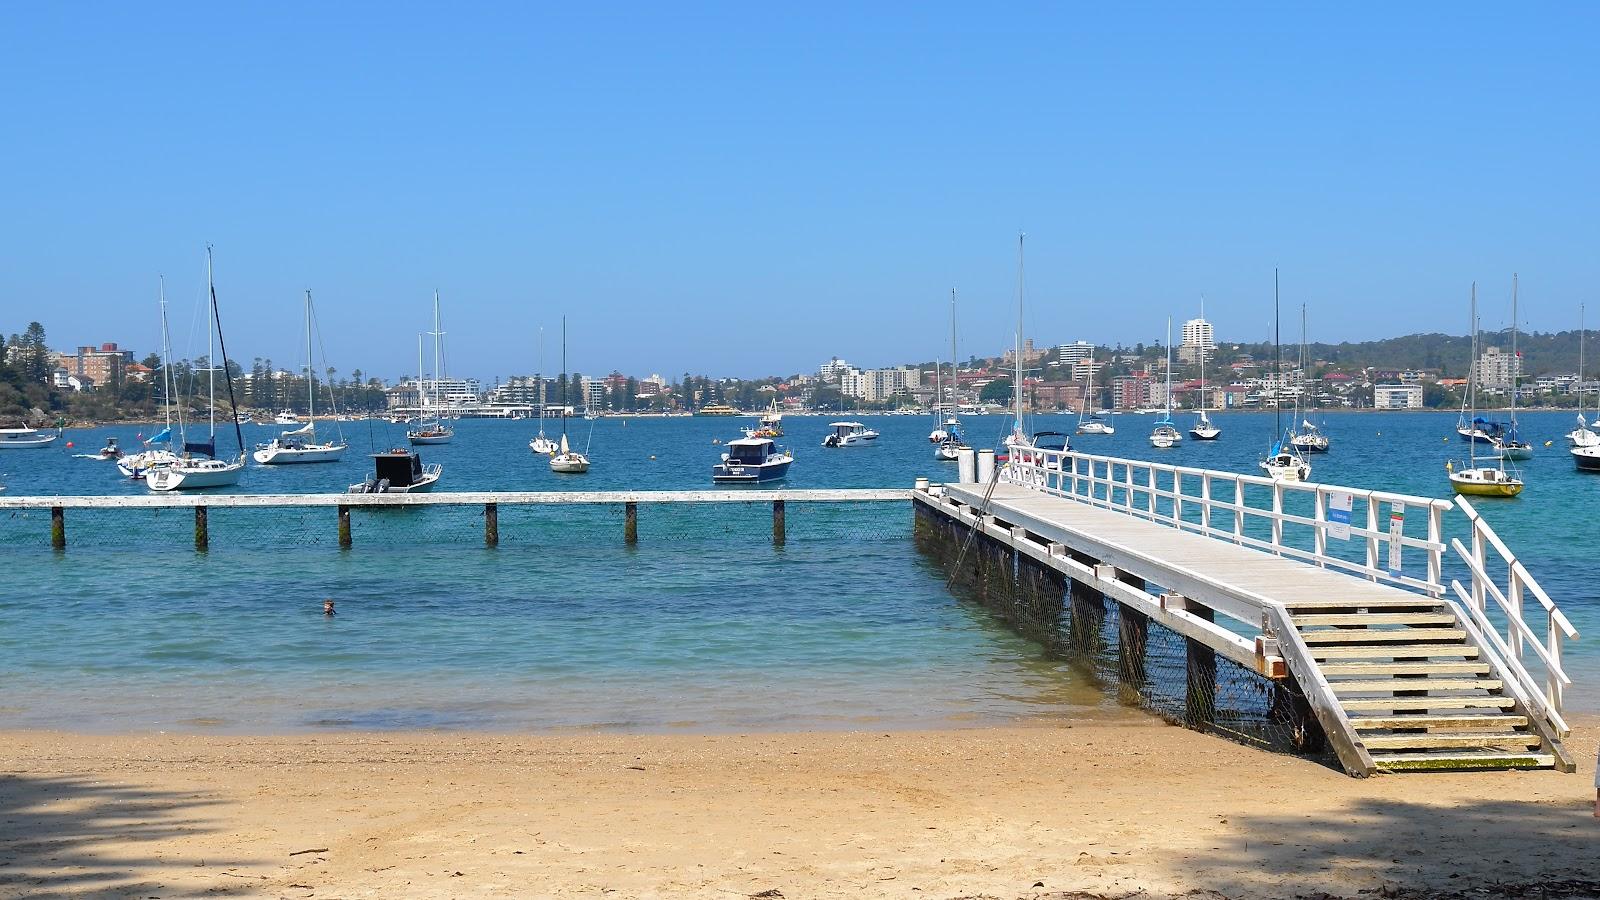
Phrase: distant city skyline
[744,191]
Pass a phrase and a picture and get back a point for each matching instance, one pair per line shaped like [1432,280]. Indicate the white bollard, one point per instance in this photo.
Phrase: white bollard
[921,484]
[966,466]
[985,466]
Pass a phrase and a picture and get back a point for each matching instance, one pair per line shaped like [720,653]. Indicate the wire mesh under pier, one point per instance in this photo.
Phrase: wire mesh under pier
[1133,659]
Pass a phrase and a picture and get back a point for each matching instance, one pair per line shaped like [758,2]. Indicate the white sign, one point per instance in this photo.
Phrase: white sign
[1397,530]
[1339,503]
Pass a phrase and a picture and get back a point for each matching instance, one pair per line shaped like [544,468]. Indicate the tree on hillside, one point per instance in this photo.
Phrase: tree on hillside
[996,391]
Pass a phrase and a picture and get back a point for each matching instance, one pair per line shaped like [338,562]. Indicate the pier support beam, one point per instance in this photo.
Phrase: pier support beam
[630,523]
[1133,636]
[344,527]
[780,527]
[1087,618]
[491,524]
[202,531]
[1200,703]
[58,528]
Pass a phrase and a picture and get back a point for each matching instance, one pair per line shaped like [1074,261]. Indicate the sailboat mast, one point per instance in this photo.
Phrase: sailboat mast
[222,346]
[311,390]
[1203,397]
[166,366]
[438,337]
[565,400]
[421,412]
[953,365]
[1516,361]
[1581,336]
[1472,383]
[211,361]
[1016,387]
[1277,350]
[1169,368]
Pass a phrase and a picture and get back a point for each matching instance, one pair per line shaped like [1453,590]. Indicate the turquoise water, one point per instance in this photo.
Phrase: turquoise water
[704,626]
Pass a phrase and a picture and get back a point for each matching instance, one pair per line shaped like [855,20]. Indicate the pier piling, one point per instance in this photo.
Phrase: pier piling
[344,527]
[491,524]
[58,528]
[1200,701]
[779,526]
[630,523]
[202,531]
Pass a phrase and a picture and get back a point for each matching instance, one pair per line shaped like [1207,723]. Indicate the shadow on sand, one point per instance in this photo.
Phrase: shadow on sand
[74,836]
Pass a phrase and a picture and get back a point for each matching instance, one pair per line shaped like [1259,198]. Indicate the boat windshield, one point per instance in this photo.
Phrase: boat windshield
[747,453]
[1049,440]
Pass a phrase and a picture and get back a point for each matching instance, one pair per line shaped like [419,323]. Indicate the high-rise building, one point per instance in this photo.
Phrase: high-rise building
[1075,352]
[875,385]
[1197,340]
[1497,369]
[103,365]
[833,369]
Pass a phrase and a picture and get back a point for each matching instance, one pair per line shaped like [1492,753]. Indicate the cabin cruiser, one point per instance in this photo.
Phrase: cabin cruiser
[399,471]
[25,438]
[1587,457]
[286,417]
[848,434]
[752,460]
[111,450]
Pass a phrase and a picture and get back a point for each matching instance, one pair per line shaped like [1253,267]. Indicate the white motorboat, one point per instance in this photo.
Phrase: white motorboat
[25,438]
[1586,458]
[286,417]
[848,434]
[770,425]
[300,445]
[567,461]
[431,429]
[399,471]
[752,460]
[199,468]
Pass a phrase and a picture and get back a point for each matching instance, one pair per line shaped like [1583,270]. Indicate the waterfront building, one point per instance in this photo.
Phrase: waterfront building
[877,385]
[102,366]
[1397,396]
[1496,369]
[1197,341]
[834,369]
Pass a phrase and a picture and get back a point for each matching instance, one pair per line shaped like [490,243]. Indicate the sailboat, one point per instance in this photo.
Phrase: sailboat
[1165,435]
[938,433]
[1204,429]
[157,450]
[1510,444]
[567,461]
[951,445]
[1475,480]
[1091,422]
[191,472]
[1019,437]
[1284,462]
[1308,436]
[541,444]
[431,430]
[300,445]
[1582,436]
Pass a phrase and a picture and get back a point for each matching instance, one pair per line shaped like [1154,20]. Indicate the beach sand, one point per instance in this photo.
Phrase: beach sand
[1010,812]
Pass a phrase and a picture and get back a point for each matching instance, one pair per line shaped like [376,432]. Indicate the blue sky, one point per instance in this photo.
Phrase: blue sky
[741,189]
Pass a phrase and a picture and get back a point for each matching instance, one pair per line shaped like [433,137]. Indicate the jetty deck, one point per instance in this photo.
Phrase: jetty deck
[1401,671]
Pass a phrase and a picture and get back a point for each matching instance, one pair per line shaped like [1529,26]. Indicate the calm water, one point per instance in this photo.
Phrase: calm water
[703,626]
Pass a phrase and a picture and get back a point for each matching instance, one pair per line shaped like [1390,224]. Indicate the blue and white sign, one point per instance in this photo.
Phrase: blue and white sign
[1339,503]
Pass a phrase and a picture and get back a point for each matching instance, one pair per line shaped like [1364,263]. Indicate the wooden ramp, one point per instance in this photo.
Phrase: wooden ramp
[1398,680]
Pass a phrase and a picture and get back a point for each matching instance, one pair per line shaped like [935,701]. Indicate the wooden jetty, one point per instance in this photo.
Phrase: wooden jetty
[1401,670]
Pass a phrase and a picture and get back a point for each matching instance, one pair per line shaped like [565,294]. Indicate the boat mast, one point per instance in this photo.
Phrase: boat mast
[565,400]
[222,346]
[953,380]
[421,411]
[167,382]
[438,370]
[1472,384]
[211,361]
[1516,361]
[1169,370]
[1581,335]
[539,377]
[1203,398]
[1277,350]
[311,390]
[1016,387]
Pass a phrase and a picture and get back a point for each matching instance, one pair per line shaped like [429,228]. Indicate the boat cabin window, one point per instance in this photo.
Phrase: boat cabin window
[1050,440]
[401,470]
[747,453]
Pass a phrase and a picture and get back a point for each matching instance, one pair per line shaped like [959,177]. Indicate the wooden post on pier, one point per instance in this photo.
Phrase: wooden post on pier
[779,526]
[344,526]
[1133,636]
[1200,702]
[58,528]
[491,524]
[1087,617]
[630,523]
[202,531]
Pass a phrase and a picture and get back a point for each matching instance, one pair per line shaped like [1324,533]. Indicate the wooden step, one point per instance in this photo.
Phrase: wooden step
[1469,739]
[1378,651]
[1482,722]
[1405,668]
[1416,684]
[1402,618]
[1425,703]
[1388,603]
[1412,762]
[1352,636]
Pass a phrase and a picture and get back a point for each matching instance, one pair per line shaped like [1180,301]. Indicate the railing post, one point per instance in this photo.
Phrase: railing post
[58,528]
[1480,554]
[202,532]
[344,526]
[491,524]
[1552,681]
[1127,495]
[1205,502]
[1277,514]
[1177,498]
[779,524]
[1514,597]
[1436,549]
[1238,511]
[1150,492]
[1372,534]
[1319,537]
[630,523]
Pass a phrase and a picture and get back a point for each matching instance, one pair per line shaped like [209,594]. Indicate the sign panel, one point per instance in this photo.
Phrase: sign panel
[1397,530]
[1339,503]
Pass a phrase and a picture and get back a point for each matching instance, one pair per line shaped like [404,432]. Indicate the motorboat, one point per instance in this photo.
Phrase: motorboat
[770,425]
[286,417]
[752,460]
[399,471]
[717,409]
[1586,458]
[25,438]
[848,434]
[111,450]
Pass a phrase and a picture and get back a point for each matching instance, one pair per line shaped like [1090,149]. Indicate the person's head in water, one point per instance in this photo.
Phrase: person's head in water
[327,608]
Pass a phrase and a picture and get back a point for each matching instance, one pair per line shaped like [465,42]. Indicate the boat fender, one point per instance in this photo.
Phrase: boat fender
[382,487]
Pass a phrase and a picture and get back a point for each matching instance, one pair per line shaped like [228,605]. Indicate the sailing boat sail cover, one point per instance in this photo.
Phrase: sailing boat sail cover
[209,448]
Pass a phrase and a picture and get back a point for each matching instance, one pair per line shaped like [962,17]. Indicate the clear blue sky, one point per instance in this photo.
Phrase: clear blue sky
[741,189]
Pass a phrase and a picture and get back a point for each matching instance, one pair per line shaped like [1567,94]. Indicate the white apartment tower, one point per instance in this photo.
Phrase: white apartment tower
[1197,340]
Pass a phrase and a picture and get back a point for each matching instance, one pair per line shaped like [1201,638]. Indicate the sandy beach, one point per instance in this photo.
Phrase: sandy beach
[1107,809]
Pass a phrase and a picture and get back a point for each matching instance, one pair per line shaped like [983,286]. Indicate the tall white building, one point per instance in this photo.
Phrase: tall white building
[875,385]
[833,369]
[1197,340]
[1497,369]
[1075,352]
[1397,396]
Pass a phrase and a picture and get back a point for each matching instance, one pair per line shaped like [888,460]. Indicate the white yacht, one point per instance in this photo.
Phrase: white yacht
[1165,435]
[300,445]
[567,461]
[1284,462]
[25,438]
[286,417]
[752,460]
[848,434]
[431,429]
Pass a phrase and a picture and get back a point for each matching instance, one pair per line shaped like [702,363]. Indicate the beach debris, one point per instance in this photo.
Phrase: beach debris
[773,893]
[312,850]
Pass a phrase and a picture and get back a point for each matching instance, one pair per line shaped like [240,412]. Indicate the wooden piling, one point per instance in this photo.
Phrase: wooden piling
[1200,701]
[58,528]
[491,524]
[202,530]
[1133,637]
[630,523]
[344,526]
[1087,618]
[779,525]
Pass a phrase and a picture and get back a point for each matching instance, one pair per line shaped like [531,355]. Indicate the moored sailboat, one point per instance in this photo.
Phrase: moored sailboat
[1475,480]
[300,445]
[1284,461]
[566,461]
[431,429]
[1510,444]
[1165,435]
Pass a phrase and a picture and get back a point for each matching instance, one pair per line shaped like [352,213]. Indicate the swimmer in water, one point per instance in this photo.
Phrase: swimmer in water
[327,608]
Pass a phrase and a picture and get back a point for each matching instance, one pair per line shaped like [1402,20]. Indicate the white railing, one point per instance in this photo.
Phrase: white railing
[1485,555]
[1219,504]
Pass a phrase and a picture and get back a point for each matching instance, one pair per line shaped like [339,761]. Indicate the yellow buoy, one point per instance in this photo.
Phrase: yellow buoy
[1548,443]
